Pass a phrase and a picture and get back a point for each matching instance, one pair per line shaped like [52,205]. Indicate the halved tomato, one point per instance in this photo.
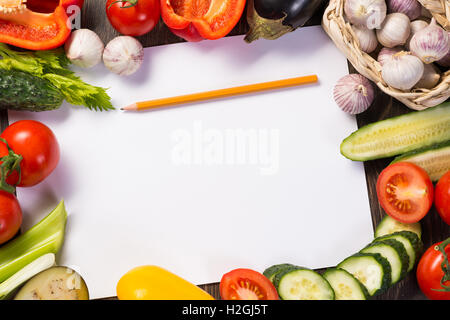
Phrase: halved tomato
[405,192]
[246,284]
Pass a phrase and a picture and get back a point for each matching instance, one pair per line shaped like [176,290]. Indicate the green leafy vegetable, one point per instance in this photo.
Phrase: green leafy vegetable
[45,237]
[51,65]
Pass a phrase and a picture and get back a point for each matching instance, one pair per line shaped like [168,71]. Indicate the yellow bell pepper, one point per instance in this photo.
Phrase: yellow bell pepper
[155,283]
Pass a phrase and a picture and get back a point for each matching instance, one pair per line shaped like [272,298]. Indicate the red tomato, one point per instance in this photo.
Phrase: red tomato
[38,146]
[10,216]
[442,197]
[133,18]
[405,192]
[430,272]
[246,284]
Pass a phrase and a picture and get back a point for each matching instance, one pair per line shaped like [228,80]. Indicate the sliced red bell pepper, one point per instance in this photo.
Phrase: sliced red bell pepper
[34,30]
[195,20]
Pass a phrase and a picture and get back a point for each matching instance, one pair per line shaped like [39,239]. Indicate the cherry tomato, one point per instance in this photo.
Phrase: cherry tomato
[10,216]
[246,284]
[134,17]
[38,146]
[405,192]
[442,197]
[430,272]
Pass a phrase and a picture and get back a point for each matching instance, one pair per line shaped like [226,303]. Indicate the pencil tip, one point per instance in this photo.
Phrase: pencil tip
[130,107]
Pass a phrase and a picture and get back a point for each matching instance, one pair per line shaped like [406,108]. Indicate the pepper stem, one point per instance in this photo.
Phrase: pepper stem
[9,164]
[445,265]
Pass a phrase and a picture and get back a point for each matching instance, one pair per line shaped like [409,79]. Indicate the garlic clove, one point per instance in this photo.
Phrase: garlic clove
[123,55]
[431,43]
[412,8]
[386,53]
[366,13]
[353,93]
[367,39]
[430,77]
[402,71]
[394,30]
[416,26]
[84,48]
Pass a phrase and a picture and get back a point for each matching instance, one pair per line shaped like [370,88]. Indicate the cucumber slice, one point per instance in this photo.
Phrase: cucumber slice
[412,243]
[389,225]
[345,285]
[399,135]
[435,160]
[275,269]
[395,253]
[371,269]
[302,284]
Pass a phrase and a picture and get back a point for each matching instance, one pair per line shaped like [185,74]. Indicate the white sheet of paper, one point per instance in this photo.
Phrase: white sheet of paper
[202,189]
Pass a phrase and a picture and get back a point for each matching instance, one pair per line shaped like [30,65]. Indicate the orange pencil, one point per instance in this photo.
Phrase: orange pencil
[221,93]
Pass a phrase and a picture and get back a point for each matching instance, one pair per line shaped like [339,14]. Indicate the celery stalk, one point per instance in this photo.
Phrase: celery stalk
[23,275]
[45,237]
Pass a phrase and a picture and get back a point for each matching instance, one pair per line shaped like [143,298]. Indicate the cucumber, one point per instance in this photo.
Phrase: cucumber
[412,243]
[345,285]
[273,270]
[399,135]
[395,253]
[435,160]
[297,283]
[23,91]
[371,269]
[389,225]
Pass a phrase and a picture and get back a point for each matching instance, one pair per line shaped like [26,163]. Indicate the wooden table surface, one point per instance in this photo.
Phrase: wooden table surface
[434,229]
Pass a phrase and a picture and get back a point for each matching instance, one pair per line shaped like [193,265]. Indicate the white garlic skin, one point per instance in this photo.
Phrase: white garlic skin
[353,93]
[84,48]
[394,31]
[430,77]
[365,13]
[123,55]
[416,26]
[367,39]
[431,43]
[386,53]
[445,61]
[402,71]
[412,8]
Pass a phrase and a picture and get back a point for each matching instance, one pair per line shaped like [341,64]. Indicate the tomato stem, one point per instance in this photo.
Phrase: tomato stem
[445,265]
[9,164]
[132,4]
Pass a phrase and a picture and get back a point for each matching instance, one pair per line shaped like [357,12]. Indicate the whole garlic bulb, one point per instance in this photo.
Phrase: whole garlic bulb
[431,43]
[84,48]
[353,93]
[386,53]
[430,77]
[366,13]
[123,55]
[416,26]
[394,30]
[367,39]
[402,71]
[412,8]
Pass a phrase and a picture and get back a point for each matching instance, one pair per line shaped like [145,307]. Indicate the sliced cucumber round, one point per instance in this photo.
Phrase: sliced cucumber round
[389,225]
[275,269]
[345,285]
[302,284]
[371,269]
[399,135]
[411,242]
[395,253]
[435,160]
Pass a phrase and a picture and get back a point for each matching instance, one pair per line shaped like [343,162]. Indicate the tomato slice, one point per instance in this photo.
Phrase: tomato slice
[246,284]
[405,192]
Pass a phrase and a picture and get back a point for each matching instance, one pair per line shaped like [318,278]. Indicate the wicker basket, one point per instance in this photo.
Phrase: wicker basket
[343,36]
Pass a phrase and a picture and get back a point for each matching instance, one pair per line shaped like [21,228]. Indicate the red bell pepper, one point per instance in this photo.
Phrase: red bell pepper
[198,20]
[35,24]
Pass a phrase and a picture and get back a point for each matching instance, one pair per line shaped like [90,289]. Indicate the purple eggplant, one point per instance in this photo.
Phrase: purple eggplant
[270,19]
